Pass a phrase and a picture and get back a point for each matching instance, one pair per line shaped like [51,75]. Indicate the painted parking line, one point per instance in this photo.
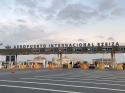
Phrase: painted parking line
[55,75]
[75,86]
[88,77]
[103,80]
[75,81]
[105,77]
[41,89]
[66,75]
[78,76]
[91,77]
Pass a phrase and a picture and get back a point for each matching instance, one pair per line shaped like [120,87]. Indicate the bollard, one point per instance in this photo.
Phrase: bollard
[37,66]
[101,66]
[119,67]
[84,66]
[69,66]
[21,67]
[13,69]
[53,66]
[50,66]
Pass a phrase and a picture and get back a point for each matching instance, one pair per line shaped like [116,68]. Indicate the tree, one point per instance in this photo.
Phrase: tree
[85,62]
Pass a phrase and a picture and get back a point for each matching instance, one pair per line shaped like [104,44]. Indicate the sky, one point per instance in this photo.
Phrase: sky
[48,21]
[61,21]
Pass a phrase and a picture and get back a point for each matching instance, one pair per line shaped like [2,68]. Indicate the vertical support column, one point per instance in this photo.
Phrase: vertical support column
[11,60]
[60,57]
[16,60]
[113,59]
[8,61]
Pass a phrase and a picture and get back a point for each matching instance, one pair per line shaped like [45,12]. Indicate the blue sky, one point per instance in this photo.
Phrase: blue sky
[46,21]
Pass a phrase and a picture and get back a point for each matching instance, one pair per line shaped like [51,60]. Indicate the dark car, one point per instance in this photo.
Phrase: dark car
[91,66]
[76,65]
[124,66]
[65,66]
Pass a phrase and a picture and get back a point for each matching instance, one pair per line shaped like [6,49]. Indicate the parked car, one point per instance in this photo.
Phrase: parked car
[107,67]
[91,66]
[65,66]
[77,65]
[124,66]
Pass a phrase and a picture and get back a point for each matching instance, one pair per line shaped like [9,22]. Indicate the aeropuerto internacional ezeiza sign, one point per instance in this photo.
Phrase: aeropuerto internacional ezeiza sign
[65,45]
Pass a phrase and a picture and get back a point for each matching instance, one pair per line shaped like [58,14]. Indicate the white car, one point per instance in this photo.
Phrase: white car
[106,66]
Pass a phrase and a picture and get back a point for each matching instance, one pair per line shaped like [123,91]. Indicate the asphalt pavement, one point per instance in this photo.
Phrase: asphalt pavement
[63,81]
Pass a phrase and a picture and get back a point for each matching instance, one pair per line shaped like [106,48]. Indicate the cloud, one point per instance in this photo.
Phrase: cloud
[104,38]
[36,20]
[37,9]
[81,40]
[28,33]
[28,7]
[21,20]
[21,32]
[76,13]
[106,5]
[51,11]
[118,12]
[24,32]
[110,9]
[111,39]
[81,13]
[57,4]
[1,44]
[100,37]
[28,3]
[70,12]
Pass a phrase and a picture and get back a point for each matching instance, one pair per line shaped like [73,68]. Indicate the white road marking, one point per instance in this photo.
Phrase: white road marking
[70,74]
[54,75]
[61,75]
[90,75]
[75,86]
[75,81]
[42,89]
[84,79]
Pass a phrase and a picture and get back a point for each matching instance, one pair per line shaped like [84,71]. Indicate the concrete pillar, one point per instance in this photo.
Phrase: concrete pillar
[60,58]
[16,60]
[44,63]
[113,59]
[10,60]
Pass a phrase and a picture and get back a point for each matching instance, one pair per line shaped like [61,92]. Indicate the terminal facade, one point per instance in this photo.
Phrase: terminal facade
[75,48]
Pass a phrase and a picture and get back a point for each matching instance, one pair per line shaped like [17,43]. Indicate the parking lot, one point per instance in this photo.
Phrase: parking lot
[63,81]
